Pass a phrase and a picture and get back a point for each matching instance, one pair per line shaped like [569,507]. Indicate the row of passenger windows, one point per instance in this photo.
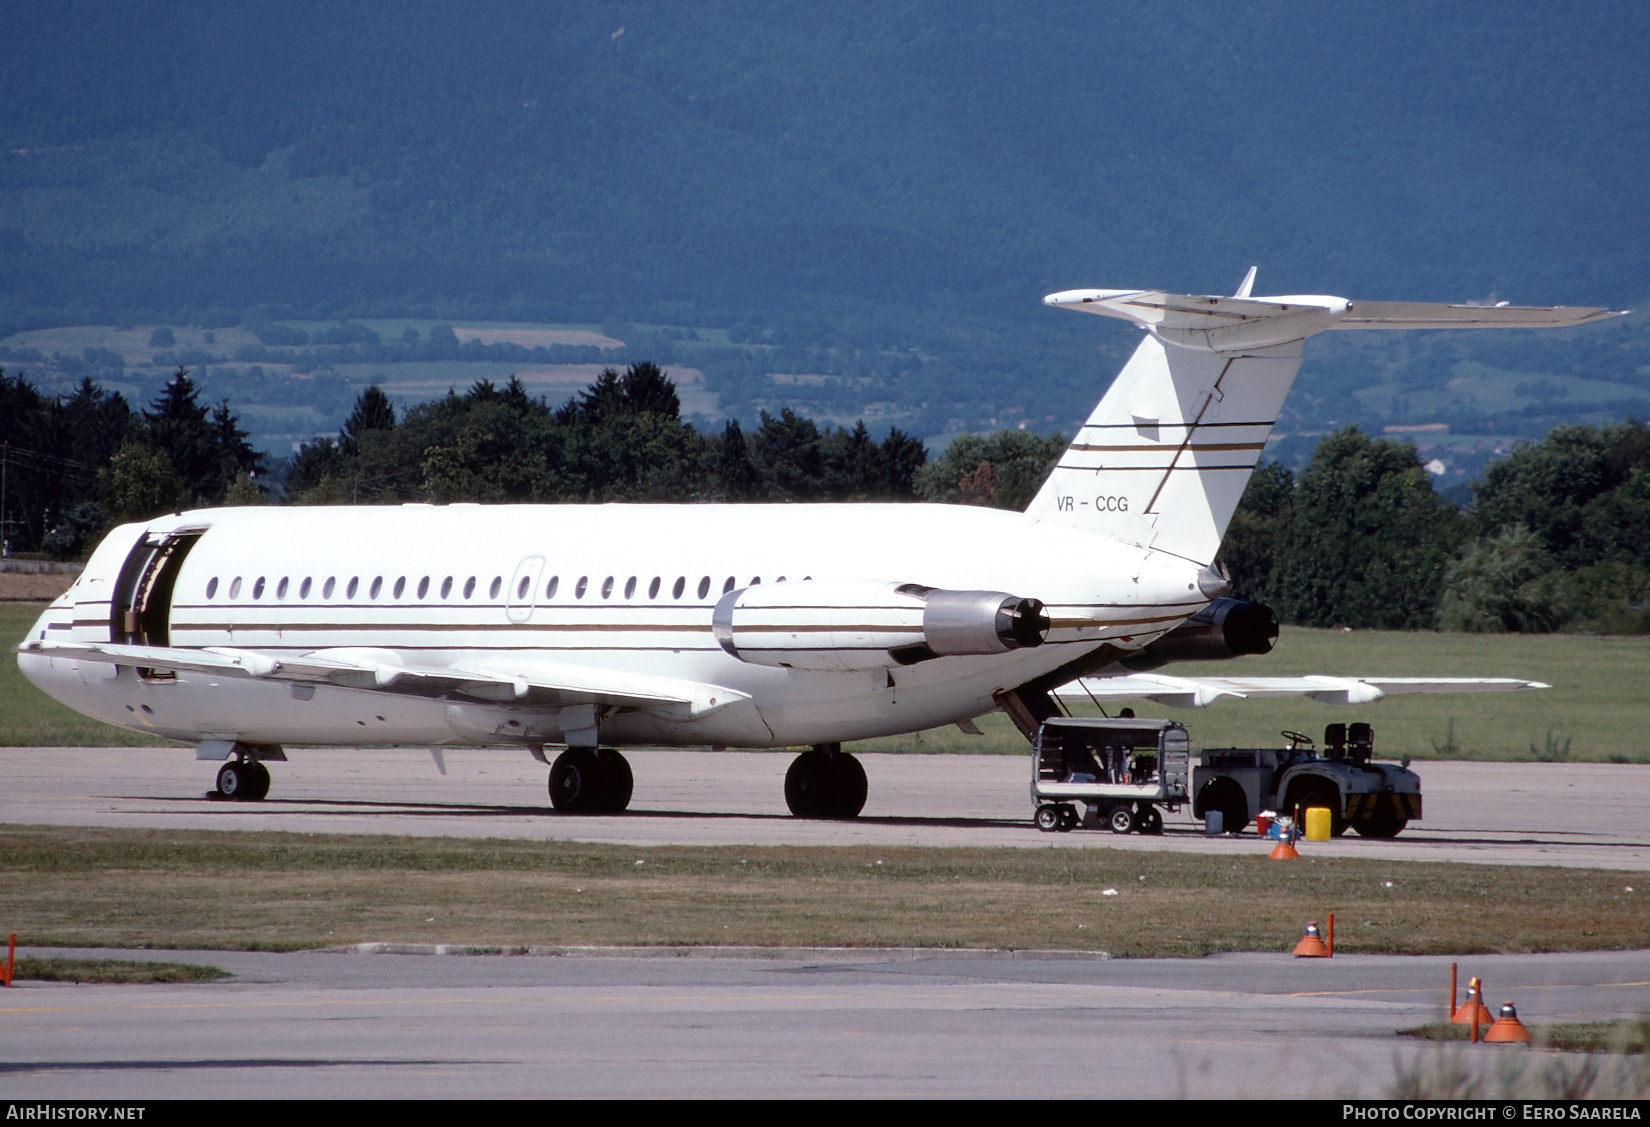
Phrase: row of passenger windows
[523,587]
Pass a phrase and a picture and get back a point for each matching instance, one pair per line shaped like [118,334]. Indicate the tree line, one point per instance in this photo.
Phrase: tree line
[1557,536]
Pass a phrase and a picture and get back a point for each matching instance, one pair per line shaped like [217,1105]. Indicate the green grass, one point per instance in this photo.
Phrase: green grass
[30,718]
[1597,702]
[113,971]
[1627,1037]
[63,886]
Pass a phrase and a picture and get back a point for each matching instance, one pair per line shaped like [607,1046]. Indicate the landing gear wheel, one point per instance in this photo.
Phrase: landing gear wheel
[824,782]
[1047,818]
[234,781]
[618,783]
[256,783]
[1149,820]
[1121,819]
[575,781]
[1068,819]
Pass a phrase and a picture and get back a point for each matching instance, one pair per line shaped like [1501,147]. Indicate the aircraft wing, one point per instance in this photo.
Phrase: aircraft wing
[1199,692]
[491,679]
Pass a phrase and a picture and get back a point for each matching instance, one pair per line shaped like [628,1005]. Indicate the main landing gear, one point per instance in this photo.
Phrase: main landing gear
[588,780]
[242,780]
[825,782]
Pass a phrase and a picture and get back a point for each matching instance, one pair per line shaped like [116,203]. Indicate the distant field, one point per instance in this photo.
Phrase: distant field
[1599,702]
[1598,707]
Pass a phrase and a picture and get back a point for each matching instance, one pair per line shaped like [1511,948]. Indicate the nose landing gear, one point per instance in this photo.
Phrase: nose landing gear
[243,778]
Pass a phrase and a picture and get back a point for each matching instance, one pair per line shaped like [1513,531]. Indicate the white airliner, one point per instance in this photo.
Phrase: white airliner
[596,627]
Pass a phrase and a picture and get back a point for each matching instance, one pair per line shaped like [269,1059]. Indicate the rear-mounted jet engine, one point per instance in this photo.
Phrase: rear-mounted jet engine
[854,625]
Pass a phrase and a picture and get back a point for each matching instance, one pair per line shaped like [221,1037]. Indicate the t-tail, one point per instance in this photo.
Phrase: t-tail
[1164,459]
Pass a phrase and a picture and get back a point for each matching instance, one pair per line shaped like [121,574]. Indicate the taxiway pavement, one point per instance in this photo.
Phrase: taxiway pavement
[798,1024]
[1590,815]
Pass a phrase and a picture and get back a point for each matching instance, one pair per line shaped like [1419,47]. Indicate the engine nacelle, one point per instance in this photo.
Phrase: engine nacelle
[1225,628]
[855,624]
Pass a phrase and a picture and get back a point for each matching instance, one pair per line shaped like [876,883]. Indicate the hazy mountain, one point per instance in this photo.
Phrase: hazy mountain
[883,190]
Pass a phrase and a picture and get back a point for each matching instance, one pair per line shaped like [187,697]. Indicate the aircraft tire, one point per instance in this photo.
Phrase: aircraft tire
[575,781]
[234,781]
[617,782]
[825,783]
[256,785]
[851,786]
[808,785]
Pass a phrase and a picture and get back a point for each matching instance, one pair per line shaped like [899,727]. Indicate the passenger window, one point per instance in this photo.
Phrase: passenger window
[607,587]
[212,586]
[280,588]
[756,580]
[235,587]
[781,579]
[550,591]
[446,586]
[354,586]
[521,588]
[704,586]
[424,587]
[328,587]
[728,586]
[678,587]
[376,588]
[653,588]
[469,586]
[258,588]
[400,586]
[303,588]
[496,587]
[630,587]
[582,587]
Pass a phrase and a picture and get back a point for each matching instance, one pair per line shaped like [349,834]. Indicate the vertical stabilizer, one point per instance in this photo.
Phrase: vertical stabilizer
[1165,457]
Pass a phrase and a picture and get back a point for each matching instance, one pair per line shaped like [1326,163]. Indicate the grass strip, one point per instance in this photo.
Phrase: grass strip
[66,886]
[1620,1037]
[113,970]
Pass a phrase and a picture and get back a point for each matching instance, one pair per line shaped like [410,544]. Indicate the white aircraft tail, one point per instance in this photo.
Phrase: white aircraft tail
[1164,459]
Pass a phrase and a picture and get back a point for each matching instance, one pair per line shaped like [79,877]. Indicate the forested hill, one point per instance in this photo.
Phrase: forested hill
[887,188]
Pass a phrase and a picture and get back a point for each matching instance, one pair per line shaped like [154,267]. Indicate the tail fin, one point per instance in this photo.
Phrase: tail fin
[1164,459]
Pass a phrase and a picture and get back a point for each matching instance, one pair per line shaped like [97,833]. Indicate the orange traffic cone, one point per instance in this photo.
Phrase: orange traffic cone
[1472,1011]
[1283,851]
[1507,1029]
[1311,944]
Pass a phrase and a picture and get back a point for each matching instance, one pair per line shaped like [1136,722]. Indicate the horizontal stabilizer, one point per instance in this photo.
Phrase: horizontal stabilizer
[1214,323]
[532,683]
[1420,315]
[1198,692]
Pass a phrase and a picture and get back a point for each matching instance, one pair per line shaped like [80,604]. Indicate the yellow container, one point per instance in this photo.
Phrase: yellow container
[1317,823]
